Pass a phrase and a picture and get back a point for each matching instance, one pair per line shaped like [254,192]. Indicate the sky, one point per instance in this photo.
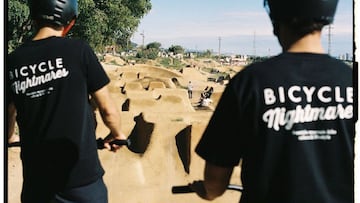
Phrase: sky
[234,26]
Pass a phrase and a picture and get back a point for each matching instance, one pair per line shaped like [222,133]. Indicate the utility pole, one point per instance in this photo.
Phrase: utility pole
[329,39]
[219,48]
[143,39]
[254,43]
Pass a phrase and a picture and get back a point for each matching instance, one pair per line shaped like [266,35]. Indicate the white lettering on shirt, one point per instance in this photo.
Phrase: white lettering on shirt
[279,116]
[37,74]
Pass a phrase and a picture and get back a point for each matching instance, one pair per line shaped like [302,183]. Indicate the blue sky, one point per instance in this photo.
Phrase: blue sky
[242,26]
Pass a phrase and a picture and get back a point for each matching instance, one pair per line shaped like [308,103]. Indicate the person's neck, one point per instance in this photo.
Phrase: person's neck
[310,43]
[46,32]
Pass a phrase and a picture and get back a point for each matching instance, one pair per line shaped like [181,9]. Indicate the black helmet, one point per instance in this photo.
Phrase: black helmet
[322,11]
[57,12]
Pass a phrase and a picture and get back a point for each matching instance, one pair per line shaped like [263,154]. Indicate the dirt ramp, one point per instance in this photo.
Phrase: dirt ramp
[109,58]
[156,84]
[143,70]
[133,178]
[169,83]
[131,86]
[193,74]
[167,100]
[149,178]
[173,96]
[129,75]
[142,94]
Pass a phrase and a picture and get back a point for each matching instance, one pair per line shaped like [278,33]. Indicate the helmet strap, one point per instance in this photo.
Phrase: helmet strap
[68,27]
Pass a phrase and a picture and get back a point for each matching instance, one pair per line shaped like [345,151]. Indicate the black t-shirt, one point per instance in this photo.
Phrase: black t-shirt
[290,121]
[49,82]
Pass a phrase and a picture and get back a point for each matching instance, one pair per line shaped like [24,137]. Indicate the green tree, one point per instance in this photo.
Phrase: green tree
[90,24]
[18,23]
[100,22]
[176,49]
[154,45]
[150,52]
[207,53]
[123,17]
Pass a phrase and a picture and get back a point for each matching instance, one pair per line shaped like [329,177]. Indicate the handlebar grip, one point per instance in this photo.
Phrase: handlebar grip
[121,142]
[181,189]
[187,189]
[100,143]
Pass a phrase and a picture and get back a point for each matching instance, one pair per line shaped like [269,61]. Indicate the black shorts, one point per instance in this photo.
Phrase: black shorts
[93,193]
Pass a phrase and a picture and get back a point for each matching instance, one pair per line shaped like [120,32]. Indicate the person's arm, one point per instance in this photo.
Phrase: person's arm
[11,120]
[216,180]
[110,115]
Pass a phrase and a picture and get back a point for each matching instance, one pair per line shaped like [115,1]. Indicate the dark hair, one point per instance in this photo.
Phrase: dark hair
[302,28]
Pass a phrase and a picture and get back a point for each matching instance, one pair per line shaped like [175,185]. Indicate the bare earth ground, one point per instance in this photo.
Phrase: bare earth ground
[161,95]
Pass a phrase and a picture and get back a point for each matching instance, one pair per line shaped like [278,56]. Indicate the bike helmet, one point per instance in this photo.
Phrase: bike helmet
[322,11]
[57,12]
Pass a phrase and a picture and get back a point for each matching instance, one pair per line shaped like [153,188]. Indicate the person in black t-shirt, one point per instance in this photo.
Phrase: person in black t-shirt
[288,121]
[50,81]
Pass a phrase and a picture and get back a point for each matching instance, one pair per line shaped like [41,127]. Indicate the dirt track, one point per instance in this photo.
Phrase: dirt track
[148,178]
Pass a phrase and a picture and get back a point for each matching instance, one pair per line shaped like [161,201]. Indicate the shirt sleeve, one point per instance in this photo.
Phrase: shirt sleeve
[221,140]
[96,75]
[8,87]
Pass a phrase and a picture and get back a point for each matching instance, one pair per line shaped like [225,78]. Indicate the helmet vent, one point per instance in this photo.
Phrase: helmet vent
[58,9]
[57,12]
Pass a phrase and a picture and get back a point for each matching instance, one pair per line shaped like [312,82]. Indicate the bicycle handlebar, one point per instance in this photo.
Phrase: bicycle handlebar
[186,188]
